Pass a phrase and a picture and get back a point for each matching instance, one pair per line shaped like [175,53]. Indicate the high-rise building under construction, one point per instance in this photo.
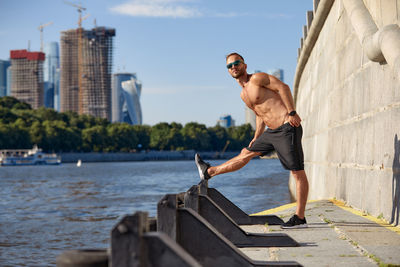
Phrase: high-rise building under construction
[85,71]
[27,76]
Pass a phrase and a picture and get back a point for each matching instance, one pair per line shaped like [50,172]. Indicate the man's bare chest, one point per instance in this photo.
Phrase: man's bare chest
[254,96]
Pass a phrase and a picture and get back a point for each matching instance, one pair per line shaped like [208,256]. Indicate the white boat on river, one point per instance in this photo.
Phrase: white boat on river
[34,156]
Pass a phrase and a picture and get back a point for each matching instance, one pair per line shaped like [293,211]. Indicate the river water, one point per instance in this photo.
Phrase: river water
[47,209]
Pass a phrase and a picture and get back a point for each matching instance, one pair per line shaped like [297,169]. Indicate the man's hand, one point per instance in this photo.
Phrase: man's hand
[294,120]
[252,141]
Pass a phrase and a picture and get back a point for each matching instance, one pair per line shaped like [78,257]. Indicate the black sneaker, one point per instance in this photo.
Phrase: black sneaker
[202,166]
[294,223]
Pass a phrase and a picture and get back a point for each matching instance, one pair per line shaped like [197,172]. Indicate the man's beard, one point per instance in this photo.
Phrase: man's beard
[238,74]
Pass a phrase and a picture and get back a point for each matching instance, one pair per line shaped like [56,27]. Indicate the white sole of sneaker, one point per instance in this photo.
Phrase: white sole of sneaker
[300,226]
[199,169]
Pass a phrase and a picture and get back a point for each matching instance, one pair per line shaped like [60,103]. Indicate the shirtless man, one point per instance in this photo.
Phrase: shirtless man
[272,102]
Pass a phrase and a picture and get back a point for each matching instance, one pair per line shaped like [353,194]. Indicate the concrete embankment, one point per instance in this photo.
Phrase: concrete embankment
[142,156]
[346,90]
[337,235]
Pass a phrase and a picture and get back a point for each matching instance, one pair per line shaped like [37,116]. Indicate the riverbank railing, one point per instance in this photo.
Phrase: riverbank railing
[199,227]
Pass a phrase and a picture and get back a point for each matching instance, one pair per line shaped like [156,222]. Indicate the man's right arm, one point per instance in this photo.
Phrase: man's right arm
[260,128]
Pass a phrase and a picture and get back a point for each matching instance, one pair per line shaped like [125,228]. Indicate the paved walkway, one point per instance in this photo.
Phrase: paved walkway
[337,236]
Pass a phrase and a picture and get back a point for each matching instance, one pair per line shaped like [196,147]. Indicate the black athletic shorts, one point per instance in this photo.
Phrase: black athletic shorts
[286,140]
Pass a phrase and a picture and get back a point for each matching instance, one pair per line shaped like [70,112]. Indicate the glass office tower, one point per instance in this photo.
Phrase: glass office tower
[126,90]
[9,80]
[226,121]
[4,64]
[51,77]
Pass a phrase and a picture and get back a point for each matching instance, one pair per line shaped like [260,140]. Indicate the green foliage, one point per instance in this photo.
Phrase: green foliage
[22,127]
[37,134]
[94,139]
[164,136]
[14,136]
[11,102]
[196,136]
[143,135]
[219,137]
[240,136]
[59,137]
[6,116]
[121,137]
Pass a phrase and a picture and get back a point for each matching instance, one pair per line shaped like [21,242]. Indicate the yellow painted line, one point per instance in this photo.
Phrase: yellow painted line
[381,222]
[280,208]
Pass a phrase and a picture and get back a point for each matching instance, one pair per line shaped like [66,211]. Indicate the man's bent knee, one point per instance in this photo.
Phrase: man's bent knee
[244,151]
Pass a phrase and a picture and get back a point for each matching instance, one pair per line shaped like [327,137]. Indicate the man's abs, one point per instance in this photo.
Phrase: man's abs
[267,104]
[272,115]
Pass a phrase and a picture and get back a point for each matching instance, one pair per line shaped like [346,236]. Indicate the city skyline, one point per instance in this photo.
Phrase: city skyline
[180,56]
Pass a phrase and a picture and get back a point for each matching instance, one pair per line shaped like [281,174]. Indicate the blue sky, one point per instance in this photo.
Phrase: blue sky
[176,47]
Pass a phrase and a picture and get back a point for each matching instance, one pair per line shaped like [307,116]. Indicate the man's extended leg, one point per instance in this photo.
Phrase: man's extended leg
[229,166]
[233,164]
[301,191]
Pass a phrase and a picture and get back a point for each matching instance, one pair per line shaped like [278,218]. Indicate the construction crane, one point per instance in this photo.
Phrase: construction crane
[82,19]
[40,28]
[79,8]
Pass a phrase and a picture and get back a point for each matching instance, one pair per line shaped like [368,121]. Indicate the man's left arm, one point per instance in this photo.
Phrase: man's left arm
[287,98]
[260,128]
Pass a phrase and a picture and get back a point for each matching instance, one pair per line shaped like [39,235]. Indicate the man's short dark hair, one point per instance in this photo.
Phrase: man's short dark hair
[234,54]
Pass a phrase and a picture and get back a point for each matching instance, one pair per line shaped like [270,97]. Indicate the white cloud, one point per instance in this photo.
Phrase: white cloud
[157,8]
[179,9]
[227,15]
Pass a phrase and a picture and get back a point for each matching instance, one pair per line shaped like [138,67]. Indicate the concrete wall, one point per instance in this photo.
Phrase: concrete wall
[350,108]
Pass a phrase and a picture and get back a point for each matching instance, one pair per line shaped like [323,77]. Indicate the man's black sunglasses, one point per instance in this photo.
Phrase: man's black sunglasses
[235,63]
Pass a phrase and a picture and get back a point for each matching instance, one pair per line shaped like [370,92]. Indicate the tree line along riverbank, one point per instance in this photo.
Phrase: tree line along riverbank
[22,127]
